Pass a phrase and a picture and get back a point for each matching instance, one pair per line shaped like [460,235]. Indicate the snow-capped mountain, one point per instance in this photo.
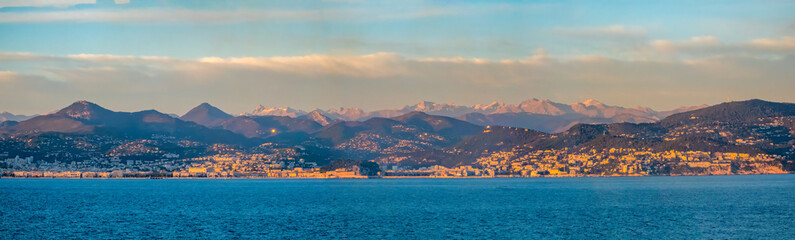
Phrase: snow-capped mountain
[7,116]
[493,107]
[498,113]
[445,109]
[347,114]
[589,108]
[318,117]
[275,111]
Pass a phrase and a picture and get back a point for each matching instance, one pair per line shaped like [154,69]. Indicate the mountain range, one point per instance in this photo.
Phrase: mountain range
[542,115]
[86,118]
[7,116]
[421,139]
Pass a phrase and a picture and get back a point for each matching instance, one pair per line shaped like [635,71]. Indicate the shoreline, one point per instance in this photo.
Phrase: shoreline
[403,177]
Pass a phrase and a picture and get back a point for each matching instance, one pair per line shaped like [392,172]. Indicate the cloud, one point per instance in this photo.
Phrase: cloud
[109,57]
[7,75]
[703,46]
[160,15]
[381,80]
[783,43]
[607,32]
[31,93]
[20,56]
[167,15]
[698,42]
[371,65]
[43,3]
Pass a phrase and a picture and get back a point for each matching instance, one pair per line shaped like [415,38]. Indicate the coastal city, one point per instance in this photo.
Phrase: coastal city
[286,163]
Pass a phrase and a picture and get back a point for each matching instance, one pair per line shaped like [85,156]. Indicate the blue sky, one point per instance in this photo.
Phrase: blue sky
[621,52]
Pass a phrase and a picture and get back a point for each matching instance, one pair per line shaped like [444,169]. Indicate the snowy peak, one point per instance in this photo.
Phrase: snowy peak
[590,108]
[318,117]
[545,107]
[7,116]
[644,109]
[492,106]
[276,111]
[424,105]
[592,102]
[445,109]
[427,106]
[593,108]
[348,114]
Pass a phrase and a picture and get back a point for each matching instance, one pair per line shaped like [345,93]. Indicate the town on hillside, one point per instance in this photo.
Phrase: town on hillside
[85,140]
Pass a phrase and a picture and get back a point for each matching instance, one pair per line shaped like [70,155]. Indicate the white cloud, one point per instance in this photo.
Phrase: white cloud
[381,79]
[7,75]
[706,46]
[43,3]
[610,32]
[704,40]
[165,15]
[155,15]
[783,43]
[371,65]
[16,56]
[692,43]
[109,57]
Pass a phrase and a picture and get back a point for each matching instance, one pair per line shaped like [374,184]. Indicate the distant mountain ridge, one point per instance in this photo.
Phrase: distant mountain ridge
[318,117]
[417,138]
[7,116]
[83,117]
[726,127]
[542,115]
[275,111]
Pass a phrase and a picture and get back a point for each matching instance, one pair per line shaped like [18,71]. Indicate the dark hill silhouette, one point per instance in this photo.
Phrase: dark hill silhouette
[84,117]
[738,112]
[206,115]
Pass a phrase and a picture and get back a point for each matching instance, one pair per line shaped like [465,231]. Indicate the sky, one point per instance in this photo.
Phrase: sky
[173,55]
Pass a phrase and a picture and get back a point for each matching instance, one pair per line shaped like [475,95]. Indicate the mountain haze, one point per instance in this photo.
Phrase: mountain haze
[7,116]
[542,115]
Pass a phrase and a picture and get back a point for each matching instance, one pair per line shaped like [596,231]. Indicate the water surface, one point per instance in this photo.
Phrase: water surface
[746,207]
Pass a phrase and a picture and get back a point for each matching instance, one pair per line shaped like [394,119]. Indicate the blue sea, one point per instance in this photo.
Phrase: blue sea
[704,207]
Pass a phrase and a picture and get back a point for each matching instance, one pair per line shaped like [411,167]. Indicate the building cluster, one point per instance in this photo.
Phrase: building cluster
[624,161]
[164,156]
[371,143]
[281,163]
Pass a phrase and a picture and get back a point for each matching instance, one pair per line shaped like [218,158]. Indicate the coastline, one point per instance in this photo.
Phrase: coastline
[405,177]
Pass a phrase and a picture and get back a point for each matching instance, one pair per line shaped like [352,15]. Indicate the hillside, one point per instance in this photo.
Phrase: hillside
[206,115]
[90,119]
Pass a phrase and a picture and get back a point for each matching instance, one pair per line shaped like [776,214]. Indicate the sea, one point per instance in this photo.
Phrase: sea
[681,207]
